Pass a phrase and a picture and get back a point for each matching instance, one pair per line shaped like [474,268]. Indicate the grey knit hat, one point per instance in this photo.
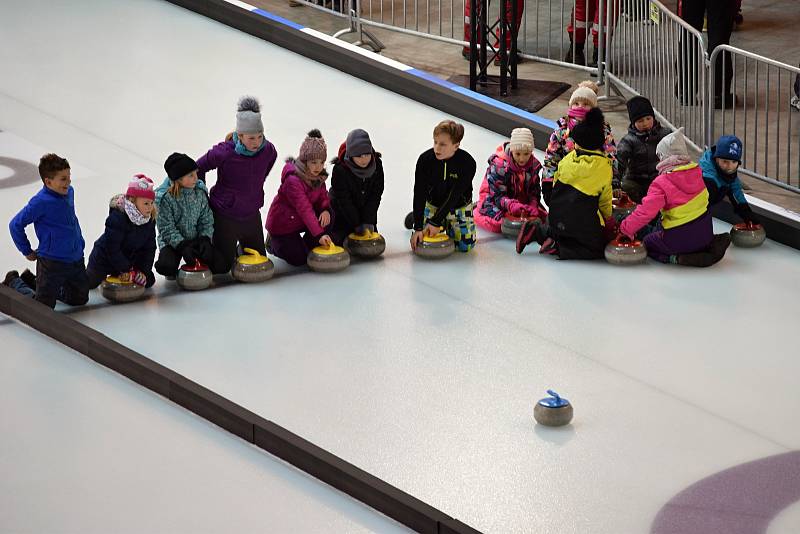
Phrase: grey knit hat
[357,144]
[248,116]
[673,144]
[313,147]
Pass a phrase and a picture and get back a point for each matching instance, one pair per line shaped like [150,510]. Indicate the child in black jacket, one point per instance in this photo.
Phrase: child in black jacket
[356,187]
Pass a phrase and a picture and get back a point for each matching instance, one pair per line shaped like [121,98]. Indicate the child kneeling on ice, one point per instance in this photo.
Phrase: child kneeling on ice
[127,247]
[680,195]
[511,183]
[299,217]
[580,220]
[720,165]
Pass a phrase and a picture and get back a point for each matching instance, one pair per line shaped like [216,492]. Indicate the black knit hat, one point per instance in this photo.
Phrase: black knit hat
[179,165]
[639,107]
[590,133]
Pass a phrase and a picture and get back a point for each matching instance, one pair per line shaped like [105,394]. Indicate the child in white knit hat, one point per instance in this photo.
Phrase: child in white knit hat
[127,247]
[561,143]
[511,183]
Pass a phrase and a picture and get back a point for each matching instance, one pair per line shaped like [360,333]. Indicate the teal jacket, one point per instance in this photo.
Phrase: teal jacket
[186,217]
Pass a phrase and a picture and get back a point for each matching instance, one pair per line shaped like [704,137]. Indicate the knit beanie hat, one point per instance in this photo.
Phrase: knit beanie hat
[142,187]
[179,165]
[357,144]
[248,116]
[639,107]
[729,147]
[673,144]
[521,139]
[590,133]
[585,94]
[313,147]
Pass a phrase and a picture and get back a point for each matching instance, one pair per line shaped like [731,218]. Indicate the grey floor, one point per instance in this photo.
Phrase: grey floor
[424,374]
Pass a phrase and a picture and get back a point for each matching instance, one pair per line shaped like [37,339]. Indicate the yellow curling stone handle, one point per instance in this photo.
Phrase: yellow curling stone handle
[368,236]
[252,257]
[328,251]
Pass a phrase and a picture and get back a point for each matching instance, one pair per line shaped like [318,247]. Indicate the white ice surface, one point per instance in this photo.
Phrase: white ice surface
[424,374]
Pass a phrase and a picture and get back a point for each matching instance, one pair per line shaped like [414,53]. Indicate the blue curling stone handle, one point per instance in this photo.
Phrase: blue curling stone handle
[554,400]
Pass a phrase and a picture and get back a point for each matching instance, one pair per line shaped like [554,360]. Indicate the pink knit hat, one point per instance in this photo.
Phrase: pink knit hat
[141,186]
[313,147]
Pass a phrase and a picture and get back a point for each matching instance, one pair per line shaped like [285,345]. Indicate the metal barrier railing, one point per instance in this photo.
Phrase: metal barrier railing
[754,103]
[654,53]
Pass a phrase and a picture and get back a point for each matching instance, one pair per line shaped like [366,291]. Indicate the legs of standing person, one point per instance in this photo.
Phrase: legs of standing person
[579,20]
[690,61]
[721,14]
[292,248]
[168,262]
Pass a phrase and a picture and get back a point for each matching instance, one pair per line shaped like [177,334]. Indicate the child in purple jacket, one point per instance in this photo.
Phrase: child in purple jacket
[243,162]
[301,205]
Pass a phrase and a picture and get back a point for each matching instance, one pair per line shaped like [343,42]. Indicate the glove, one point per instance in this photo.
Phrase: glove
[547,191]
[139,278]
[186,250]
[517,208]
[203,249]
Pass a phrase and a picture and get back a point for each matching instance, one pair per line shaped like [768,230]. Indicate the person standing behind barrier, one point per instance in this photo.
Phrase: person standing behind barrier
[583,99]
[636,152]
[720,166]
[720,15]
[586,14]
[510,18]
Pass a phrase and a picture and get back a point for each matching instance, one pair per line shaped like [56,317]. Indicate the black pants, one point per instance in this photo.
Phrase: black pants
[169,260]
[58,280]
[720,15]
[96,278]
[230,233]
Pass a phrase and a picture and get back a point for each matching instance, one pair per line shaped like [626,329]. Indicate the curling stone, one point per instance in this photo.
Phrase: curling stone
[748,235]
[623,251]
[194,277]
[253,267]
[118,290]
[366,245]
[436,247]
[622,206]
[512,224]
[553,410]
[328,259]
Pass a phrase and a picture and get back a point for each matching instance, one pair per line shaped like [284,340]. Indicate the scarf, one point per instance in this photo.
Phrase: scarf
[575,115]
[312,181]
[121,203]
[362,172]
[242,150]
[670,162]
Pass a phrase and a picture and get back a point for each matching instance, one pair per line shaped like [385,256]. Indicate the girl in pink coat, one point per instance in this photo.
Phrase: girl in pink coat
[511,183]
[679,193]
[299,217]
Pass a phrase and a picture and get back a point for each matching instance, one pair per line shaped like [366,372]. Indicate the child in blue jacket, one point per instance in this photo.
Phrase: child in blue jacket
[720,165]
[60,271]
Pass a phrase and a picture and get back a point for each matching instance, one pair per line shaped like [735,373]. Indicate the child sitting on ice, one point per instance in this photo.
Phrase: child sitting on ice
[511,183]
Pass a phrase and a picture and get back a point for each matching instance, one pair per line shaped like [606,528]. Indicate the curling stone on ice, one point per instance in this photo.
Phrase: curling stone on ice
[748,235]
[116,289]
[553,410]
[512,224]
[622,206]
[436,247]
[194,277]
[253,267]
[366,245]
[328,259]
[625,251]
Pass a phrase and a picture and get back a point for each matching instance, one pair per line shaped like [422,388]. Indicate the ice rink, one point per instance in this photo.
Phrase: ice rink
[424,374]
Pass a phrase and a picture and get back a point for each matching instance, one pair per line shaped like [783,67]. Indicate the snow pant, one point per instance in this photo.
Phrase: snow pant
[64,281]
[229,234]
[459,224]
[693,236]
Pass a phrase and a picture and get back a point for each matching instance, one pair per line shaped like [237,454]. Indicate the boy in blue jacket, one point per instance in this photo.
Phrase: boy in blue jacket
[60,271]
[720,165]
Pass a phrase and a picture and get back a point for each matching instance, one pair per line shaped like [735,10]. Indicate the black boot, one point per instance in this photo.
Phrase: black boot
[10,275]
[29,278]
[409,222]
[593,63]
[580,58]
